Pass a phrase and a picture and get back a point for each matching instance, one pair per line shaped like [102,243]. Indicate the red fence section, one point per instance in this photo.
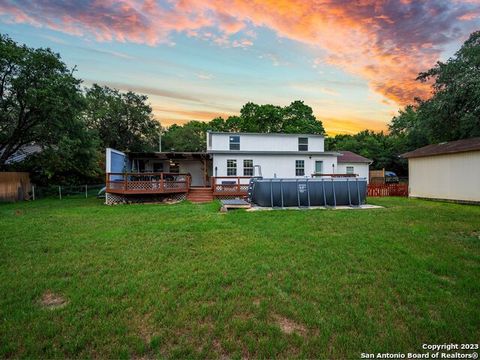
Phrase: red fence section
[377,190]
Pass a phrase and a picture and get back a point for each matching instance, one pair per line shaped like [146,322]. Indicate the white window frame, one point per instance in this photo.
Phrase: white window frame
[299,168]
[303,144]
[235,144]
[321,167]
[231,167]
[350,169]
[250,168]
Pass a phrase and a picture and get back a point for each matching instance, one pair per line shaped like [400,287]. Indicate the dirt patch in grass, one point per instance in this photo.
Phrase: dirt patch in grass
[289,326]
[52,301]
[143,327]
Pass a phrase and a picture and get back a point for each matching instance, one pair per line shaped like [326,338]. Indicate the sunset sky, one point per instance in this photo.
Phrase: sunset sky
[353,62]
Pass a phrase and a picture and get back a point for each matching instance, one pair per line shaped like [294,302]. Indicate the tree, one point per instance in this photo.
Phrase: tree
[299,118]
[123,121]
[296,118]
[453,111]
[39,98]
[190,137]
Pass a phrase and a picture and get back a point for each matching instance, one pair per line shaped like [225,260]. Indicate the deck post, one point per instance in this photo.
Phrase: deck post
[349,196]
[334,196]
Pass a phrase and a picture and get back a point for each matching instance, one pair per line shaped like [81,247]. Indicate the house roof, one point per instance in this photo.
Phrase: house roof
[253,152]
[351,157]
[263,134]
[450,147]
[24,152]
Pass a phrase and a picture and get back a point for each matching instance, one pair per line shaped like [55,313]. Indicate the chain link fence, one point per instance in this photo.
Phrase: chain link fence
[67,191]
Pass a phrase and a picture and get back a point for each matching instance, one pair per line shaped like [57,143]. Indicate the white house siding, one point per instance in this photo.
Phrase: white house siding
[264,142]
[361,169]
[450,176]
[279,165]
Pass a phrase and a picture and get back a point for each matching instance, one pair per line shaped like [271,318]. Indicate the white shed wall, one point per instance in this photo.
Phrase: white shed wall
[264,142]
[361,169]
[280,165]
[451,177]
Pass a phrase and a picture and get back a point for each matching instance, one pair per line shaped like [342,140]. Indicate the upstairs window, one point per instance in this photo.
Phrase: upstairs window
[231,167]
[299,167]
[350,170]
[247,167]
[302,144]
[234,142]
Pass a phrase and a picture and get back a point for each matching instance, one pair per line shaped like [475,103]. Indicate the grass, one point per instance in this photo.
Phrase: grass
[186,281]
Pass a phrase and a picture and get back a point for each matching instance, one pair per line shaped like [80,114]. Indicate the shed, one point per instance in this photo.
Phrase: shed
[446,171]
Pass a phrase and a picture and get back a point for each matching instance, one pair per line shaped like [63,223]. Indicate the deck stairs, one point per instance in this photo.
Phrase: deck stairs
[200,194]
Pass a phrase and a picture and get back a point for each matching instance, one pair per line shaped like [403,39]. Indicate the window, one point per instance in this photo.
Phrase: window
[209,140]
[247,167]
[235,142]
[231,167]
[158,167]
[303,144]
[318,167]
[299,167]
[350,170]
[174,167]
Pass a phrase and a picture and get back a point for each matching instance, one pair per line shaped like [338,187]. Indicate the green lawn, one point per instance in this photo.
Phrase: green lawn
[188,281]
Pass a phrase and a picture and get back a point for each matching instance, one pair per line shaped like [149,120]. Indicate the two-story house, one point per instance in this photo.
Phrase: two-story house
[224,170]
[276,155]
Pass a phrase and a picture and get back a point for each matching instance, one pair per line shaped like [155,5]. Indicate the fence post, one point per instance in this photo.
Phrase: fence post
[33,192]
[60,192]
[86,191]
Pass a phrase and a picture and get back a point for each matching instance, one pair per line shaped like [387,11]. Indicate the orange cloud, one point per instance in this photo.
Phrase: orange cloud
[386,42]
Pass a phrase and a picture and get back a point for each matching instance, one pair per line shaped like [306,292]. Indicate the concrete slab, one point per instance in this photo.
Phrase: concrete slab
[361,207]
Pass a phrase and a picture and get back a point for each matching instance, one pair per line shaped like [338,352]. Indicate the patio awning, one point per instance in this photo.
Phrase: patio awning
[175,155]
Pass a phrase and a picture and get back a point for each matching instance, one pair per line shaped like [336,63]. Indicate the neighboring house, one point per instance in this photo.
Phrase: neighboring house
[351,163]
[446,171]
[224,170]
[22,153]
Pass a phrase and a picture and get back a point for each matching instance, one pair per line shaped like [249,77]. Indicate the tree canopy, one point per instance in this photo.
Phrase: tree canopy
[122,121]
[453,111]
[42,103]
[296,118]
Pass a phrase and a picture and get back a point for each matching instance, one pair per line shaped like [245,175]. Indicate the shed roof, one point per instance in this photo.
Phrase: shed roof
[451,147]
[351,157]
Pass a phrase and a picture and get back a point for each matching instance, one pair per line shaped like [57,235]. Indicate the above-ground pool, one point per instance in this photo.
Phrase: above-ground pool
[307,192]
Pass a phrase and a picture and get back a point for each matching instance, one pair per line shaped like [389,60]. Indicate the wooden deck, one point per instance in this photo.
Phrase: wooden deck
[147,183]
[230,186]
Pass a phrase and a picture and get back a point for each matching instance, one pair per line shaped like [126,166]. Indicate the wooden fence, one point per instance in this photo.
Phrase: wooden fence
[14,186]
[377,190]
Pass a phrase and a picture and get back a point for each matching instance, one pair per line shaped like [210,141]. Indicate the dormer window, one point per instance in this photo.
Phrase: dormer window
[234,142]
[302,144]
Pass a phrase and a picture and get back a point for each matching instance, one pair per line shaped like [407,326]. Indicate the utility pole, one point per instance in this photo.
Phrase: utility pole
[160,139]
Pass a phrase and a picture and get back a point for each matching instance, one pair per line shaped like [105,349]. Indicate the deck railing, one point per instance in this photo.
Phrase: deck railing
[147,183]
[333,175]
[377,190]
[230,185]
